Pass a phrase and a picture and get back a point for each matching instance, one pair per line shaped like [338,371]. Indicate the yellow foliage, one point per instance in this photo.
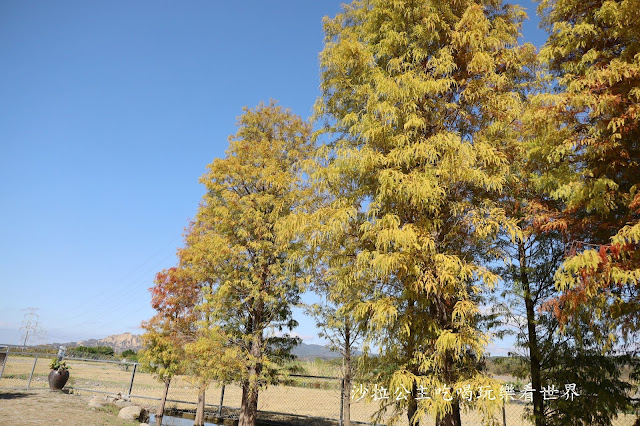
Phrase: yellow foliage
[423,95]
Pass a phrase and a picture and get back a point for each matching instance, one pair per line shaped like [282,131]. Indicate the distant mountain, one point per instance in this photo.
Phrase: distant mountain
[122,342]
[310,351]
[119,342]
[306,351]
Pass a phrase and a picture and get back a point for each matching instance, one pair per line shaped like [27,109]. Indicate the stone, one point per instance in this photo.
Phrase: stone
[123,396]
[133,412]
[120,403]
[98,401]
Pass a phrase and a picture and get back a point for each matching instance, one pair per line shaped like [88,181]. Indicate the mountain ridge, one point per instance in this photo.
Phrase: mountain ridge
[118,342]
[124,341]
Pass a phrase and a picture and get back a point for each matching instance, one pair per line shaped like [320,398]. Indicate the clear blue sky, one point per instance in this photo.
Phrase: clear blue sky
[109,113]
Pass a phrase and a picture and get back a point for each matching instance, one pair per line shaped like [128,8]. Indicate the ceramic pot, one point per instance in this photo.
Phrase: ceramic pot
[58,378]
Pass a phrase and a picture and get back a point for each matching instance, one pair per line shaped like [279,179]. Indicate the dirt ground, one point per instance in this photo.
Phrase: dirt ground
[45,407]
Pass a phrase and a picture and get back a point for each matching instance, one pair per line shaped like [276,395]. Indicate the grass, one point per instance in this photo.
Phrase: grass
[109,409]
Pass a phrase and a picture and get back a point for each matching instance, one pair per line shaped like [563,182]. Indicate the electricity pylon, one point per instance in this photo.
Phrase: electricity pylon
[31,330]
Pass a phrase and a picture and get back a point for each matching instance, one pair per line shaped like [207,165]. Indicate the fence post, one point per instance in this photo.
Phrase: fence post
[4,362]
[221,401]
[133,374]
[341,401]
[32,370]
[504,413]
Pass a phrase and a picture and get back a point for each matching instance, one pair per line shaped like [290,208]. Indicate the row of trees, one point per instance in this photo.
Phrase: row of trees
[459,170]
[94,350]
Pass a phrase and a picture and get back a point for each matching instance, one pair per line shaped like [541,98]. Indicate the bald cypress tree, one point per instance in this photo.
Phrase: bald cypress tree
[594,53]
[419,97]
[234,248]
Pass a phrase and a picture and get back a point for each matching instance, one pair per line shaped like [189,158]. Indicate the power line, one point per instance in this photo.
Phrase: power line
[112,295]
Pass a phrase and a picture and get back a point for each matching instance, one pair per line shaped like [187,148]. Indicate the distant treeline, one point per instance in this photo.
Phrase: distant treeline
[97,350]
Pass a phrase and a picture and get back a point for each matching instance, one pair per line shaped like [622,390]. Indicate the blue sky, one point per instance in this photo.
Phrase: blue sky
[109,113]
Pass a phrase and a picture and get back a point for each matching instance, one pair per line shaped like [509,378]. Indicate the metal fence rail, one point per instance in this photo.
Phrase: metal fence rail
[308,399]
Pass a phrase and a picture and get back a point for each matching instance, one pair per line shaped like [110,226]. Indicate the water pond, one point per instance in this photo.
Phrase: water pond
[177,421]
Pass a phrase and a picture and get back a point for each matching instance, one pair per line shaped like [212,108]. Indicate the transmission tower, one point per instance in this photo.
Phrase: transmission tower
[30,328]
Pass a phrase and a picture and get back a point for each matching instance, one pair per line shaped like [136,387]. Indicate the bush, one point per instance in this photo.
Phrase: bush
[130,355]
[97,350]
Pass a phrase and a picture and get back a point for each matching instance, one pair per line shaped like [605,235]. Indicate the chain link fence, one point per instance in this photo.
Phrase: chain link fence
[299,399]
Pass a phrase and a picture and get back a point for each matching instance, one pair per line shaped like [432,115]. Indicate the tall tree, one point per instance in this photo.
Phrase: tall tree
[329,224]
[594,53]
[419,95]
[175,297]
[162,355]
[528,274]
[234,244]
[339,294]
[531,262]
[209,358]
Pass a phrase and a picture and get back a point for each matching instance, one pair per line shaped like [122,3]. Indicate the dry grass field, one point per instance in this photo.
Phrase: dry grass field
[310,397]
[45,407]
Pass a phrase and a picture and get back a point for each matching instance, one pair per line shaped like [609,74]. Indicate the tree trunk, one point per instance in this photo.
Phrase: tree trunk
[163,401]
[412,406]
[199,421]
[451,418]
[412,403]
[249,404]
[346,390]
[534,350]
